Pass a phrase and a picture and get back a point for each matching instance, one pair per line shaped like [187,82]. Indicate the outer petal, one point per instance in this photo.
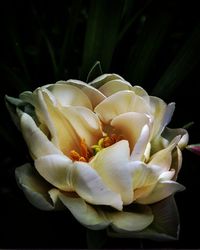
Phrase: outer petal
[131,220]
[83,212]
[163,158]
[161,191]
[130,126]
[35,188]
[112,165]
[170,134]
[99,81]
[93,94]
[70,95]
[119,103]
[57,170]
[88,184]
[114,86]
[37,142]
[85,123]
[165,225]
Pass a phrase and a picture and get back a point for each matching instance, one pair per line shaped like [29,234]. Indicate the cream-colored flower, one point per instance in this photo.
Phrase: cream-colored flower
[102,150]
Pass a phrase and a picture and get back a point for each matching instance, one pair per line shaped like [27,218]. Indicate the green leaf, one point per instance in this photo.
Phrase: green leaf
[101,34]
[148,43]
[182,65]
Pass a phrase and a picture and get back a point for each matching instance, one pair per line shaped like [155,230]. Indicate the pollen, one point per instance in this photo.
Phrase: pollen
[106,141]
[84,154]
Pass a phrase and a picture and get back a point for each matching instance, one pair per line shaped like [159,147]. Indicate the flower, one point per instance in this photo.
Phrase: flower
[100,149]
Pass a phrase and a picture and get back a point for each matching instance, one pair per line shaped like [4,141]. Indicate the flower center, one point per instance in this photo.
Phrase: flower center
[86,153]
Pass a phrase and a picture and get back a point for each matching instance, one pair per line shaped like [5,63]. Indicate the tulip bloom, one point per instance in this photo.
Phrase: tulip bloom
[102,150]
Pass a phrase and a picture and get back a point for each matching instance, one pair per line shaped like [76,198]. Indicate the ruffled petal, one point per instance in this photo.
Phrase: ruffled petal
[163,158]
[130,126]
[170,134]
[57,170]
[85,123]
[144,179]
[161,191]
[93,94]
[111,164]
[69,95]
[83,212]
[92,188]
[38,143]
[141,149]
[119,103]
[114,86]
[101,80]
[34,187]
[63,134]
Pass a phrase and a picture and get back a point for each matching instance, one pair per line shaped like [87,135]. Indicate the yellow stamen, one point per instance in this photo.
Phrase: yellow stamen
[84,154]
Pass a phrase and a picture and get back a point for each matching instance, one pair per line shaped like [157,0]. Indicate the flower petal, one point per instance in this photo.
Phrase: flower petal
[176,161]
[119,103]
[99,81]
[70,95]
[165,225]
[170,134]
[63,133]
[130,126]
[89,185]
[161,191]
[93,94]
[34,187]
[131,221]
[114,86]
[85,123]
[36,140]
[163,158]
[83,212]
[57,170]
[144,179]
[111,164]
[138,152]
[158,108]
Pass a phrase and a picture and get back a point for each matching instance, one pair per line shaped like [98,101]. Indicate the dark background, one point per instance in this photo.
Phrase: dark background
[155,44]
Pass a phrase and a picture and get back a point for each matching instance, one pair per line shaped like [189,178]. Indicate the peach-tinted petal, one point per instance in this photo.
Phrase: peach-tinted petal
[119,103]
[85,123]
[111,164]
[63,134]
[130,125]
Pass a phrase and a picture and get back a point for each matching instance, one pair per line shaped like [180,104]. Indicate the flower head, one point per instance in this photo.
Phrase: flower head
[102,150]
